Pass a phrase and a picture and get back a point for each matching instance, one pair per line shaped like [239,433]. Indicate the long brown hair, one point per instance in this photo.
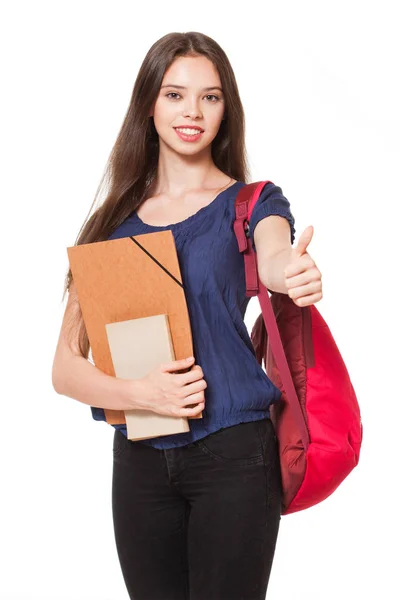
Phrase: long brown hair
[132,165]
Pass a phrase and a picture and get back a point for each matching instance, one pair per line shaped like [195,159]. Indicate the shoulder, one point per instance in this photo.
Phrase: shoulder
[271,202]
[269,190]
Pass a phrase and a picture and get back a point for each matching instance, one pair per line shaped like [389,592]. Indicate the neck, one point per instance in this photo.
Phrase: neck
[178,174]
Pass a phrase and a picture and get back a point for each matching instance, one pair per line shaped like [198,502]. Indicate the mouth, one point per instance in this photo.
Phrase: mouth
[189,134]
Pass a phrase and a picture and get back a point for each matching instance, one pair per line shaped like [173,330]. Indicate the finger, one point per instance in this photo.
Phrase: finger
[304,290]
[304,278]
[175,365]
[298,265]
[308,300]
[193,399]
[193,388]
[191,410]
[194,374]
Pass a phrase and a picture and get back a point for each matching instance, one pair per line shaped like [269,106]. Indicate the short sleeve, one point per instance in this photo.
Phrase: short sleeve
[271,202]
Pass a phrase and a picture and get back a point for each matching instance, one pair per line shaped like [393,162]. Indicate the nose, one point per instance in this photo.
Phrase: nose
[192,109]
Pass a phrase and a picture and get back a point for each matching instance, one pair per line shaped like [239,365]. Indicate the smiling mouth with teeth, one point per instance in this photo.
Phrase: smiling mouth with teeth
[188,130]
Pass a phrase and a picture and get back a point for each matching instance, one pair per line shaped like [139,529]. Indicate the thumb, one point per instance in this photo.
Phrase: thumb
[304,240]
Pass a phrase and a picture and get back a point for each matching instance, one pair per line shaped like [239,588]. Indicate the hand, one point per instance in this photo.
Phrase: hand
[173,394]
[303,278]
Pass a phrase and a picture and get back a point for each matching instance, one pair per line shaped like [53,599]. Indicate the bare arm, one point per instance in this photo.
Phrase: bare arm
[76,377]
[272,241]
[88,384]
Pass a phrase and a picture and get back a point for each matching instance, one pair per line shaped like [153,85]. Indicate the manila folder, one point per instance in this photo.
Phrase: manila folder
[138,346]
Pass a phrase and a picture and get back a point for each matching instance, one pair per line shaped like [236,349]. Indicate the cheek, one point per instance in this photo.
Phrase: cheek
[165,113]
[214,118]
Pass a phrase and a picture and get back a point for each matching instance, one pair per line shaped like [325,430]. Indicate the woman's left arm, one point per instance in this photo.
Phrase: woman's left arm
[285,269]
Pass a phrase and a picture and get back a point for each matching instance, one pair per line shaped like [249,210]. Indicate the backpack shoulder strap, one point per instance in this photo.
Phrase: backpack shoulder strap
[244,205]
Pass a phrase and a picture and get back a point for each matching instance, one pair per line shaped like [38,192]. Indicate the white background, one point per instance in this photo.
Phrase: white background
[320,86]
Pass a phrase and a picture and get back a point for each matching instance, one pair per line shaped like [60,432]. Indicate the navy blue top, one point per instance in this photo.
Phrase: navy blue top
[212,268]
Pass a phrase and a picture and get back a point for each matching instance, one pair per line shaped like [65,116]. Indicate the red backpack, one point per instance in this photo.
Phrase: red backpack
[317,421]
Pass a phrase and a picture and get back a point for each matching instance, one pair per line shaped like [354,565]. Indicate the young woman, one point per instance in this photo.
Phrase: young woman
[196,515]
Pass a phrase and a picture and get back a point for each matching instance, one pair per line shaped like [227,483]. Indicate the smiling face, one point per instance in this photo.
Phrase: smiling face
[190,95]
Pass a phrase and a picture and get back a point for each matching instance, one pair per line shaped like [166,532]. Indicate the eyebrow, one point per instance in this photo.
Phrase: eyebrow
[181,87]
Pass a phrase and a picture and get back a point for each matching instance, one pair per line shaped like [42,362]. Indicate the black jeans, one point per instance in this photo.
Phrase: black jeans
[198,522]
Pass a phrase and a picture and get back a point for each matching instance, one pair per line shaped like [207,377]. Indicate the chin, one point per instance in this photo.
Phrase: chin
[186,148]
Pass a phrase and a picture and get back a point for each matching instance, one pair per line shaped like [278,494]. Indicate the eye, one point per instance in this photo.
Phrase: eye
[176,94]
[213,96]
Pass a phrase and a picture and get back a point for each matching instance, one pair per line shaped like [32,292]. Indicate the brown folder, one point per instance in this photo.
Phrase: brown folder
[130,278]
[138,346]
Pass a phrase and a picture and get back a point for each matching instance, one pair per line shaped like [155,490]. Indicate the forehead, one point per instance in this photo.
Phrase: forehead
[190,71]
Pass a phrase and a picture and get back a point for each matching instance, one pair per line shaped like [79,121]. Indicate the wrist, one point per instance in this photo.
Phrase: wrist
[135,394]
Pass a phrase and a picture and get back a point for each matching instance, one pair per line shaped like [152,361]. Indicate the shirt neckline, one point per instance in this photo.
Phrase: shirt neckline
[190,218]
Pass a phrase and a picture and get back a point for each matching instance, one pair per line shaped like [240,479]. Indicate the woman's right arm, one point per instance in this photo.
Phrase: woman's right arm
[75,376]
[163,390]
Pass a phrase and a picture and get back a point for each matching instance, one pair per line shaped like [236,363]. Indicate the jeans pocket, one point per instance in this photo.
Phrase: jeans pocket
[237,445]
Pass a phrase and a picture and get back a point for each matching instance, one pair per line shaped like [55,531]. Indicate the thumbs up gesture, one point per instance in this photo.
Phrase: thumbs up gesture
[302,277]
